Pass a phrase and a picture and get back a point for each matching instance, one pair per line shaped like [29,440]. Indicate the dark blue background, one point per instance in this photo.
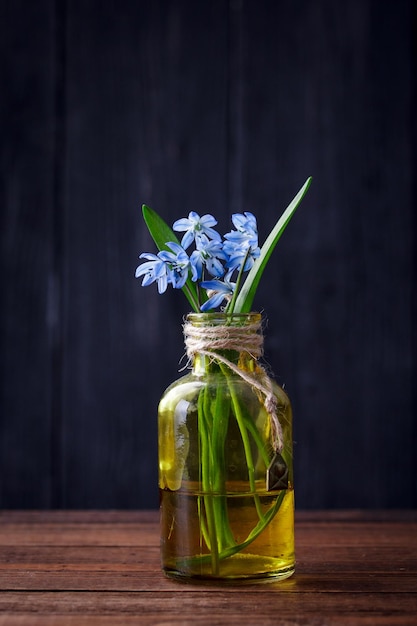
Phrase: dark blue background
[212,106]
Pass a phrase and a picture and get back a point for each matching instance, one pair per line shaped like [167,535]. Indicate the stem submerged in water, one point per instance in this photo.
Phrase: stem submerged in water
[254,534]
[214,414]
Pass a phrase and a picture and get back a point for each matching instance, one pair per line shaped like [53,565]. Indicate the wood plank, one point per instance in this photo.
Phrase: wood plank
[223,603]
[139,131]
[344,354]
[29,324]
[109,516]
[113,578]
[79,534]
[128,534]
[173,618]
[212,106]
[348,572]
[83,555]
[321,558]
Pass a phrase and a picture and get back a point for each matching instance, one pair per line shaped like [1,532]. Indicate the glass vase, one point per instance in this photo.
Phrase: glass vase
[225,459]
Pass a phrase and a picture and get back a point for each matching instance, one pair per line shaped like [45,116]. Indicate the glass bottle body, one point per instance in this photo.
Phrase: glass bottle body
[226,492]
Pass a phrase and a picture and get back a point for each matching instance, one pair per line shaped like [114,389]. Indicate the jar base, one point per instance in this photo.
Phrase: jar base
[239,569]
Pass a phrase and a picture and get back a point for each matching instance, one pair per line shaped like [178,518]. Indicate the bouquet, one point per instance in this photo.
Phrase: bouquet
[225,441]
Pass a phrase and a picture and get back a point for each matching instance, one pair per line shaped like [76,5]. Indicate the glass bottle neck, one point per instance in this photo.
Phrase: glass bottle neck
[204,363]
[236,339]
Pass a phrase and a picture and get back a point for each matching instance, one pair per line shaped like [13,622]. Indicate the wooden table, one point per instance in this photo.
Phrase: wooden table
[102,568]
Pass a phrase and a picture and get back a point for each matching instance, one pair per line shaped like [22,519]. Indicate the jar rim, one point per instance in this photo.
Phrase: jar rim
[219,317]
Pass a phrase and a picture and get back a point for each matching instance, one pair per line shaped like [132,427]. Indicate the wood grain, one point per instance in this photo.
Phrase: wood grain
[221,106]
[89,566]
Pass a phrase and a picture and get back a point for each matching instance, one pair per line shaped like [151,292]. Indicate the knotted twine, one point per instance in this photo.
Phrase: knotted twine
[207,340]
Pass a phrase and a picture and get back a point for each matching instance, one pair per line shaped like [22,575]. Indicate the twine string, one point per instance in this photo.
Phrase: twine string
[207,340]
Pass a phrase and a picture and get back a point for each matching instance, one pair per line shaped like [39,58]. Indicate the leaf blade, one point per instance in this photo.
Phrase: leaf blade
[161,233]
[247,293]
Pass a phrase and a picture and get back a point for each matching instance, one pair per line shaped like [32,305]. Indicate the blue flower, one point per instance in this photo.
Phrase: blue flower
[195,226]
[241,253]
[245,223]
[153,270]
[242,243]
[210,254]
[179,263]
[246,229]
[217,291]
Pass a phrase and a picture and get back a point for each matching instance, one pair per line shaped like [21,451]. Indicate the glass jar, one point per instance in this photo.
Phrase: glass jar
[225,458]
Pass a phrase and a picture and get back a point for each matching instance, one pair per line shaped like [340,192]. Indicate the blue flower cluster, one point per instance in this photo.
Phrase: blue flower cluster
[213,257]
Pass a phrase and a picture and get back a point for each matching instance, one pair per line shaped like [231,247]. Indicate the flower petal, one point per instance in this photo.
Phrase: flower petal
[182,224]
[213,302]
[187,239]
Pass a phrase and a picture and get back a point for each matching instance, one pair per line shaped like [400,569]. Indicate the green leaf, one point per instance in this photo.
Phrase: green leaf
[161,233]
[247,293]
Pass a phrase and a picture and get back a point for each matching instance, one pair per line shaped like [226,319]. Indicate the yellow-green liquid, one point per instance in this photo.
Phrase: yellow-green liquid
[185,552]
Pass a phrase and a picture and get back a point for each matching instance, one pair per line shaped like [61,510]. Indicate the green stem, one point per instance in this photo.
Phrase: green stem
[203,429]
[213,430]
[259,528]
[218,440]
[245,439]
[191,299]
[230,307]
[213,424]
[256,436]
[202,522]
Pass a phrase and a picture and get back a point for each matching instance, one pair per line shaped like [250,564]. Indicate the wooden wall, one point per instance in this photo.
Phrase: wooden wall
[214,106]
